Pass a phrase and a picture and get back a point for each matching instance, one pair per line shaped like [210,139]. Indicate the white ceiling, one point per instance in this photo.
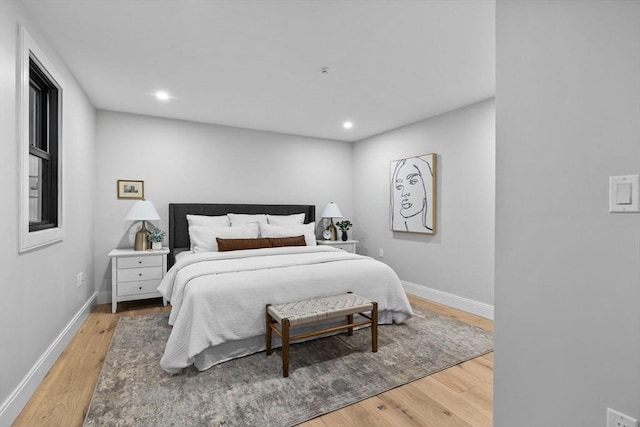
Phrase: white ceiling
[257,64]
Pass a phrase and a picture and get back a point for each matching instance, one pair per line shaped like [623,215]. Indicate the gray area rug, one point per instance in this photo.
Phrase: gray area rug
[325,374]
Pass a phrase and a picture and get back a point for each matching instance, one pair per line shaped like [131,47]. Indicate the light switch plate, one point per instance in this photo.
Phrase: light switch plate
[617,419]
[624,192]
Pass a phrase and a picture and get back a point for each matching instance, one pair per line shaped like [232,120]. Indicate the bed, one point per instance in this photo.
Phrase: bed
[218,299]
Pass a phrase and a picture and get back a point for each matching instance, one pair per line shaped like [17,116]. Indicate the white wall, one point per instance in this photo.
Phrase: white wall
[456,264]
[41,306]
[567,326]
[189,162]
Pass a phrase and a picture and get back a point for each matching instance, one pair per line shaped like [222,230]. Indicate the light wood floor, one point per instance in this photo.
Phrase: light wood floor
[461,396]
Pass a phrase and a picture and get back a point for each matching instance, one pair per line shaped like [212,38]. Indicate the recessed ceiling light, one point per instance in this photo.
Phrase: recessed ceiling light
[162,95]
[347,125]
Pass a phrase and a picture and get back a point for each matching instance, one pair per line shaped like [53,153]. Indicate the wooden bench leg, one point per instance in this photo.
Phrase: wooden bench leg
[268,331]
[285,347]
[374,328]
[350,321]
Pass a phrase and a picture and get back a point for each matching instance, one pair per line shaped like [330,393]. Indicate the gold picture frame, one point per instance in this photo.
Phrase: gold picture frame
[130,189]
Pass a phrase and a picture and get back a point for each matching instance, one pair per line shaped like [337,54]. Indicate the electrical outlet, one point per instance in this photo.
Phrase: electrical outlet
[616,419]
[80,279]
[381,253]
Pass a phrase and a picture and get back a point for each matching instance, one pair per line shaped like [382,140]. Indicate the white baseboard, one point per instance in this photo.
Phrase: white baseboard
[455,301]
[11,407]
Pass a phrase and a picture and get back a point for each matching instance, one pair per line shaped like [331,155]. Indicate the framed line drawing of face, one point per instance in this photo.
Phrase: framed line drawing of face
[412,205]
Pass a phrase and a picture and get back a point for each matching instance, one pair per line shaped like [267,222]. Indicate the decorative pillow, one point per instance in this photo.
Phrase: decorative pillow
[278,242]
[203,239]
[286,219]
[307,230]
[237,219]
[225,245]
[208,221]
[239,244]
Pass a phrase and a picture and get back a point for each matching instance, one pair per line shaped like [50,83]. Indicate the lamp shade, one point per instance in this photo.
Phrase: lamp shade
[331,210]
[142,210]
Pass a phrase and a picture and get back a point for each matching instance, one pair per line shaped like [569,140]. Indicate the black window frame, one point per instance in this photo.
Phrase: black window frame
[44,145]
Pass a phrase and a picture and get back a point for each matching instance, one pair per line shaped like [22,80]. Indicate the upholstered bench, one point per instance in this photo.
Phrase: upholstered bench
[282,317]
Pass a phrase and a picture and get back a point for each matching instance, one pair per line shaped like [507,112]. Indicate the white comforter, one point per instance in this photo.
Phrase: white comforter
[219,298]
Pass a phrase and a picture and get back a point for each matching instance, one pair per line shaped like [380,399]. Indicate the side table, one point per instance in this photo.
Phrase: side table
[136,275]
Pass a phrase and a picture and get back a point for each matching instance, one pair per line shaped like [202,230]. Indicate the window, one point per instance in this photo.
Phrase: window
[43,150]
[40,147]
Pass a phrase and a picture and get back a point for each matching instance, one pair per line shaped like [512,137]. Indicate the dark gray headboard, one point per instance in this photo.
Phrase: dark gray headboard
[179,228]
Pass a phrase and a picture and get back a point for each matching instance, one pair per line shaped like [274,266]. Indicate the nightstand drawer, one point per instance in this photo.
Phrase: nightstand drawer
[349,247]
[140,261]
[144,273]
[140,287]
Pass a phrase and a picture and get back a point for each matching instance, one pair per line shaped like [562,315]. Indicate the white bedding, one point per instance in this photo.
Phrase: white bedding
[218,298]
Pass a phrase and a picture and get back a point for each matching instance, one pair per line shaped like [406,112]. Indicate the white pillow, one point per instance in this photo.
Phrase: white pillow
[236,219]
[307,230]
[208,221]
[286,219]
[203,239]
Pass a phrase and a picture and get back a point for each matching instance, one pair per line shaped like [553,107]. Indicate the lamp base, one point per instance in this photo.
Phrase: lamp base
[333,230]
[142,238]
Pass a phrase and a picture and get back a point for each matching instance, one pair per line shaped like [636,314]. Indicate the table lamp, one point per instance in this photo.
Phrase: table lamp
[142,210]
[331,211]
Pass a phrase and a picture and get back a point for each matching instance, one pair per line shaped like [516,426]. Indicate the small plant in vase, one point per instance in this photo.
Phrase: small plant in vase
[344,226]
[156,237]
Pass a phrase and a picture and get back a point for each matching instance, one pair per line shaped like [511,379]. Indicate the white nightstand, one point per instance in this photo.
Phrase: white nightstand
[136,274]
[347,245]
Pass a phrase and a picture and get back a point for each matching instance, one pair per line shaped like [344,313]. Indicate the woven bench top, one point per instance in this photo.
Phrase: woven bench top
[316,309]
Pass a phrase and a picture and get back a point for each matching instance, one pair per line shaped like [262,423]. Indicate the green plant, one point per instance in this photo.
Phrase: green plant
[157,235]
[344,225]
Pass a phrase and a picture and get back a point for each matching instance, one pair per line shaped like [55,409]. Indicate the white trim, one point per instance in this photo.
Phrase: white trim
[455,301]
[27,48]
[11,407]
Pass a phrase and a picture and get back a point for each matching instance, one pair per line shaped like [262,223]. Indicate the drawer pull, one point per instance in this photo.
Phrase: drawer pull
[140,287]
[139,262]
[139,274]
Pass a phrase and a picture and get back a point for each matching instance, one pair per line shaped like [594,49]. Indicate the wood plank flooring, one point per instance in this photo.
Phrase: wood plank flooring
[461,396]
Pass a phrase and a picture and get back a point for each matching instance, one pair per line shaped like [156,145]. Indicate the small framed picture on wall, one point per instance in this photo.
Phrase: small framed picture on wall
[128,189]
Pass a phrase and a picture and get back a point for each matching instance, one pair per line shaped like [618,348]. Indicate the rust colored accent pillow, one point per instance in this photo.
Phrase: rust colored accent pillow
[225,245]
[287,241]
[238,244]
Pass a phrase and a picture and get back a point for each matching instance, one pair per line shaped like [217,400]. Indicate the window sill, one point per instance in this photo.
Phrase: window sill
[38,239]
